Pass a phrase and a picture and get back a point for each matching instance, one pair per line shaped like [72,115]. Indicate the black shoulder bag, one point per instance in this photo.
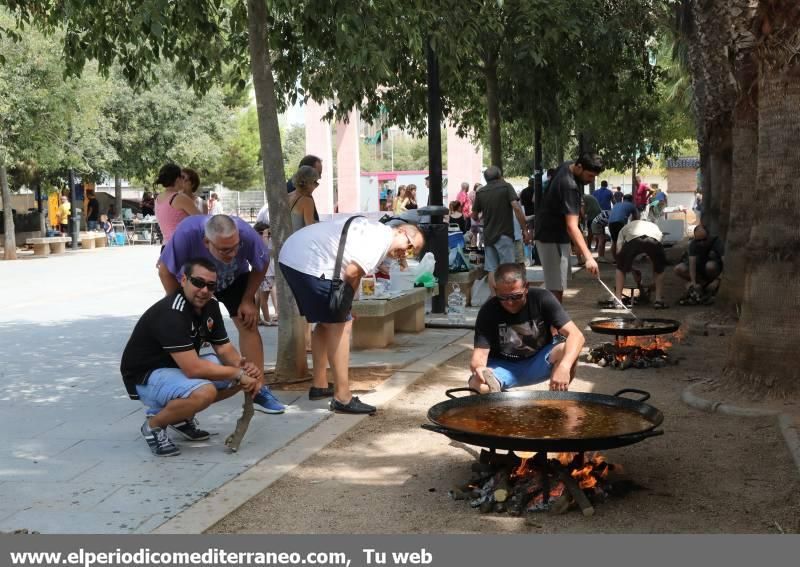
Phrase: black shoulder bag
[340,297]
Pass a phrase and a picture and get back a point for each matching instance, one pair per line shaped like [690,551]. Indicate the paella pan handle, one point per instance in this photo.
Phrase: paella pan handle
[435,428]
[645,395]
[449,393]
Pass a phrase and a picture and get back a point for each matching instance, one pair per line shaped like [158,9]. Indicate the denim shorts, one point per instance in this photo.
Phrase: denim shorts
[525,371]
[311,294]
[167,384]
[501,252]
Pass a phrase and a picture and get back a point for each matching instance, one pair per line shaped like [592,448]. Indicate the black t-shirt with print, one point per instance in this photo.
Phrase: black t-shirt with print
[562,197]
[514,336]
[171,325]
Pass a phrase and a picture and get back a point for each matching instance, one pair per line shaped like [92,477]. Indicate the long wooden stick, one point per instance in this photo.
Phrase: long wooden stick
[235,439]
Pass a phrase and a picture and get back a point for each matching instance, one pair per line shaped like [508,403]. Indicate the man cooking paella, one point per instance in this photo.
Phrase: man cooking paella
[514,343]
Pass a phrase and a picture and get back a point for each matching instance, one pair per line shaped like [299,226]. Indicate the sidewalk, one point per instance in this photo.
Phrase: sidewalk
[74,460]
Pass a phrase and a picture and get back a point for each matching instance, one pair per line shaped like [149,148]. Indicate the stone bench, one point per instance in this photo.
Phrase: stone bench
[90,240]
[43,246]
[376,320]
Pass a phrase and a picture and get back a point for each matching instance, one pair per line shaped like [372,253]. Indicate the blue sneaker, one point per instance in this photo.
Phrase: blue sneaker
[267,402]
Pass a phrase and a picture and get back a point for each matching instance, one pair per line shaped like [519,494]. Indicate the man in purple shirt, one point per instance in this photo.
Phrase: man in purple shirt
[241,259]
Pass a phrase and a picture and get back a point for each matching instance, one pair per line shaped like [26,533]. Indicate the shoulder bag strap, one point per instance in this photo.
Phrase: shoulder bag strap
[173,198]
[337,267]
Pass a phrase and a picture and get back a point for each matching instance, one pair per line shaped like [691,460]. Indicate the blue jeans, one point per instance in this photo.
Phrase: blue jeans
[91,225]
[525,371]
[167,384]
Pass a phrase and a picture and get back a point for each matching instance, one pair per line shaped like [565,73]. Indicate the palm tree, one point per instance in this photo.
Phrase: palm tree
[745,149]
[763,349]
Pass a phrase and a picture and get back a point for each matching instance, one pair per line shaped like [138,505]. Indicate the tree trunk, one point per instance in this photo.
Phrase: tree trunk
[719,181]
[744,180]
[745,152]
[9,240]
[118,194]
[763,350]
[724,179]
[40,209]
[291,359]
[493,109]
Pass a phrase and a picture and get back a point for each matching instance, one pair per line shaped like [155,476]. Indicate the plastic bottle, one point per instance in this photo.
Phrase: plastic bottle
[456,305]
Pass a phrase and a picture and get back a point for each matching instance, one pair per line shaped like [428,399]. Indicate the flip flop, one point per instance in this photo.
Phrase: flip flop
[492,381]
[660,305]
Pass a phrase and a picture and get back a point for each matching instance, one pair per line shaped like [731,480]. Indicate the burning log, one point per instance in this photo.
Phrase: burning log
[561,505]
[540,484]
[577,493]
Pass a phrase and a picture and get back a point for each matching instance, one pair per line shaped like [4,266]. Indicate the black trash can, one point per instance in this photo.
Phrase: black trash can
[435,230]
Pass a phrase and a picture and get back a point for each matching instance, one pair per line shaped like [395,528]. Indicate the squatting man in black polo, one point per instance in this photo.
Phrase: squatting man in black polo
[161,365]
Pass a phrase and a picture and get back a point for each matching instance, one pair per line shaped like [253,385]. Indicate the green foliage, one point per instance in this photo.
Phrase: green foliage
[410,154]
[293,145]
[47,123]
[240,164]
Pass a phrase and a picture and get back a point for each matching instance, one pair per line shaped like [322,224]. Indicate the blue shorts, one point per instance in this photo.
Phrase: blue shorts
[167,384]
[501,252]
[311,294]
[525,371]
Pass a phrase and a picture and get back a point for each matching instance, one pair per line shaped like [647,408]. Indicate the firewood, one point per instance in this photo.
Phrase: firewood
[235,439]
[503,487]
[486,506]
[561,504]
[577,493]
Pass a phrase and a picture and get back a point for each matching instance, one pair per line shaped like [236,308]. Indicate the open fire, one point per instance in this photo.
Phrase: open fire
[537,483]
[633,352]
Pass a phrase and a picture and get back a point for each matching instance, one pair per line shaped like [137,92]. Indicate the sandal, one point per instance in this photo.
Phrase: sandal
[660,305]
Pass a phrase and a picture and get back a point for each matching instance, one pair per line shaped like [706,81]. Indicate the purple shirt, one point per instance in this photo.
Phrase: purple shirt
[187,243]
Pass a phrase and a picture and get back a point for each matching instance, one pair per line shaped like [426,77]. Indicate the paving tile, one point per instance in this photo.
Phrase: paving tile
[50,470]
[66,522]
[54,495]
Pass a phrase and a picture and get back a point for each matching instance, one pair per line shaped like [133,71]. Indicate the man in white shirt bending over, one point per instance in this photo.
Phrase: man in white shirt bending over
[641,237]
[307,260]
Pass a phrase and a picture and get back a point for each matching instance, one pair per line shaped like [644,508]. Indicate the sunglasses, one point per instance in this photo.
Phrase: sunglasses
[511,297]
[200,283]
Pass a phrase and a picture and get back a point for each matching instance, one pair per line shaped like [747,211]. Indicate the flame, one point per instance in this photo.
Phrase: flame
[521,469]
[595,468]
[646,343]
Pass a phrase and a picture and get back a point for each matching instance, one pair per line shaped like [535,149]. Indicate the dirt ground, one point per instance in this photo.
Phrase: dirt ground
[708,473]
